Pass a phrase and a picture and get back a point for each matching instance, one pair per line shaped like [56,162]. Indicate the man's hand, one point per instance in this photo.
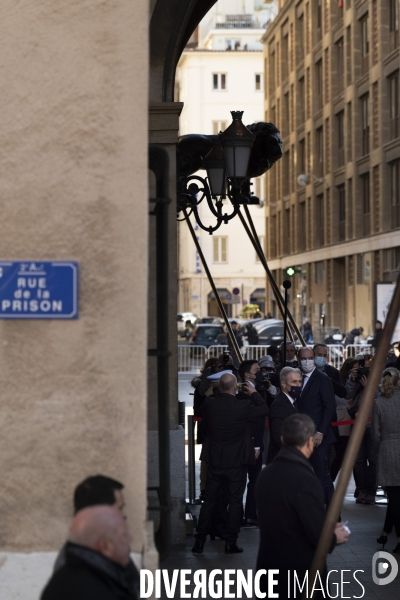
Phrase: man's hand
[353,373]
[318,437]
[342,535]
[257,452]
[363,381]
[248,388]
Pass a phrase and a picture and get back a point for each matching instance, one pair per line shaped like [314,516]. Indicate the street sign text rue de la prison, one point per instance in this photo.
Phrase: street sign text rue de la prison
[38,290]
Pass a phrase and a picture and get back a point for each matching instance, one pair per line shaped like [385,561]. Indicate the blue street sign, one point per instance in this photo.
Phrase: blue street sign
[39,290]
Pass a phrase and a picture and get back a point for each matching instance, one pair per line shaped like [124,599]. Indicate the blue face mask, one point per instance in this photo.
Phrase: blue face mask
[320,361]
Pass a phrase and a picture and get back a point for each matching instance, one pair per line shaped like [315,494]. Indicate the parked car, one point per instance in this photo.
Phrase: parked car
[205,335]
[269,332]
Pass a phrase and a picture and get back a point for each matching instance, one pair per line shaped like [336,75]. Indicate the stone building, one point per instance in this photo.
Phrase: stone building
[332,88]
[85,87]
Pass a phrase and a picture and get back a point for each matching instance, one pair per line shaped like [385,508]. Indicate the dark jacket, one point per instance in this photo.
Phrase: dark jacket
[317,400]
[88,575]
[228,423]
[291,516]
[281,409]
[338,388]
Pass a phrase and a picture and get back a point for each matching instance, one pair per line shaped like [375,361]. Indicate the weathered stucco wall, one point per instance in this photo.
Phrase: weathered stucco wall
[73,180]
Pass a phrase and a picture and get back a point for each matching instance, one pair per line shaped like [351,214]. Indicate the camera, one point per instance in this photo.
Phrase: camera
[227,356]
[362,370]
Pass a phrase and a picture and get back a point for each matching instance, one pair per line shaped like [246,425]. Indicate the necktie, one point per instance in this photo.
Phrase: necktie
[295,404]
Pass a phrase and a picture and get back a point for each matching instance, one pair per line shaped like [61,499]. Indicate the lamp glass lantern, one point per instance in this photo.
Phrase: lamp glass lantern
[214,164]
[237,142]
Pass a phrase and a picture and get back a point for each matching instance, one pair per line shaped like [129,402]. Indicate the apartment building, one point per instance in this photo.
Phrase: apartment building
[332,88]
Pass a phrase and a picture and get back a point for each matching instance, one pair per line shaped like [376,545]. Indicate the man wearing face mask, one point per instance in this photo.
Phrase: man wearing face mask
[284,405]
[317,400]
[250,372]
[291,360]
[321,362]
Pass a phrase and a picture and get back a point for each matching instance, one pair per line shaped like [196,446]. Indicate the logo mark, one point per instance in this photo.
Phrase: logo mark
[383,567]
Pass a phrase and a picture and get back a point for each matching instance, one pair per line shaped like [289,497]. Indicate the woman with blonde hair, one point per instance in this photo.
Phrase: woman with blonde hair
[385,430]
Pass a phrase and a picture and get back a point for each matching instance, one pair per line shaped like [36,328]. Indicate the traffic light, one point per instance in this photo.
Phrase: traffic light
[290,271]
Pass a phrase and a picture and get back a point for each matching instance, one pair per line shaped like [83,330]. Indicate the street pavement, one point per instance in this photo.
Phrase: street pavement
[365,523]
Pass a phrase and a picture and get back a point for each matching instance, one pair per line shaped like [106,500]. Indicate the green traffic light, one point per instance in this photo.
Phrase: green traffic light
[290,271]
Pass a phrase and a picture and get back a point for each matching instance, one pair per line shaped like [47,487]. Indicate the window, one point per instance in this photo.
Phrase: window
[285,56]
[219,81]
[232,45]
[350,208]
[348,55]
[286,171]
[366,204]
[340,130]
[272,71]
[286,234]
[319,272]
[394,99]
[319,20]
[286,112]
[261,239]
[319,158]
[300,31]
[360,269]
[319,221]
[349,133]
[218,126]
[301,243]
[302,103]
[340,64]
[342,213]
[395,193]
[259,82]
[301,165]
[350,272]
[220,249]
[365,123]
[391,264]
[319,78]
[364,44]
[393,23]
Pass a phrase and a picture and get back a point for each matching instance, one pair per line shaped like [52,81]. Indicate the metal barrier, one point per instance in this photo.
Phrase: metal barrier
[215,351]
[353,349]
[191,357]
[336,355]
[254,352]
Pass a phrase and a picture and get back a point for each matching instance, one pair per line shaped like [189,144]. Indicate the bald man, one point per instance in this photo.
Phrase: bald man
[227,449]
[97,559]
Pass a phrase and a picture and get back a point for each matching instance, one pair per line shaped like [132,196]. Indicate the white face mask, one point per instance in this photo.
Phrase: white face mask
[307,365]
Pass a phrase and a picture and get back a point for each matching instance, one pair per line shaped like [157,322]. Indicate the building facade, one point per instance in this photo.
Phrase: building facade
[222,69]
[332,88]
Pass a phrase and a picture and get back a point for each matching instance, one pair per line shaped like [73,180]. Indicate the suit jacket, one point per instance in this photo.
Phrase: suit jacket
[228,421]
[338,388]
[291,515]
[281,409]
[317,400]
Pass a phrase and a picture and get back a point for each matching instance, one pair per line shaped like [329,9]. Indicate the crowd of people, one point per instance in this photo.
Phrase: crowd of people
[304,399]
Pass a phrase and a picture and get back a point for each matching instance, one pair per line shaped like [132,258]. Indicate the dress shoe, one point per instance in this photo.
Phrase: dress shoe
[361,498]
[382,540]
[198,547]
[369,499]
[232,549]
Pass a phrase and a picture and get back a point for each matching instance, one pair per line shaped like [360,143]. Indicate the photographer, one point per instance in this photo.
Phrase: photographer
[365,467]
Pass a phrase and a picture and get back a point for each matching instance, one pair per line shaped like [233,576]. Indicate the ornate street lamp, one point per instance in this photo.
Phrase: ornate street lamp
[230,159]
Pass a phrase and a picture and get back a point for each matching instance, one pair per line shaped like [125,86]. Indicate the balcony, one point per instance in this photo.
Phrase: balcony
[237,22]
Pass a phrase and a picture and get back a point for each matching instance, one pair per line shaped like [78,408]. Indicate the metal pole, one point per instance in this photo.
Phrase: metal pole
[191,461]
[287,285]
[275,288]
[355,438]
[214,289]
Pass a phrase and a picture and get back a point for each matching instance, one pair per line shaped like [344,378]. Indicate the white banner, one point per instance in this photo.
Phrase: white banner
[384,294]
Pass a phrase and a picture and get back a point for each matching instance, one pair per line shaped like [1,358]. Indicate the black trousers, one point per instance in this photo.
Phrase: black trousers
[393,509]
[340,448]
[250,511]
[319,460]
[235,480]
[365,467]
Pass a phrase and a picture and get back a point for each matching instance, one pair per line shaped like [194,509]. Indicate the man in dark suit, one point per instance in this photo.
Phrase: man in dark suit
[284,405]
[321,362]
[291,509]
[228,449]
[317,400]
